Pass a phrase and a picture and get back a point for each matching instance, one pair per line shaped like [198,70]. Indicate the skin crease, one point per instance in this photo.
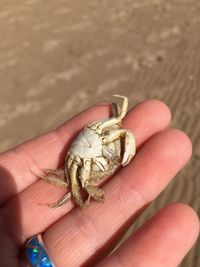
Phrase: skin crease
[161,152]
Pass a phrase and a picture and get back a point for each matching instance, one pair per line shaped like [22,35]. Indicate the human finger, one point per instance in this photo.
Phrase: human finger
[161,242]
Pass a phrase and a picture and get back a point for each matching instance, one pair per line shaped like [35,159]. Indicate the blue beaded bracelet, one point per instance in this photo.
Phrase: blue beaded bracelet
[36,253]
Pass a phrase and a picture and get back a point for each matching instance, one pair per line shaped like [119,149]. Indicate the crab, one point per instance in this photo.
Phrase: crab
[99,149]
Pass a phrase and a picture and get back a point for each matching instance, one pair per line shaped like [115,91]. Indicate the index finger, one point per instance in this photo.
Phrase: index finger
[17,166]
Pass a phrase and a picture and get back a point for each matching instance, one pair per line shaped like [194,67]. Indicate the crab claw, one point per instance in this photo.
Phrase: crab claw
[129,148]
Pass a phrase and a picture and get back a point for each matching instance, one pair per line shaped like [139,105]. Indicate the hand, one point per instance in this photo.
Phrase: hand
[82,237]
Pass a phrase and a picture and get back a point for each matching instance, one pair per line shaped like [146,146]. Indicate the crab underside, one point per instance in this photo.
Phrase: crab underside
[99,149]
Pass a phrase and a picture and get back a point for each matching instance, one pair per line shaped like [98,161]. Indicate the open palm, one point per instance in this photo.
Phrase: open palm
[83,237]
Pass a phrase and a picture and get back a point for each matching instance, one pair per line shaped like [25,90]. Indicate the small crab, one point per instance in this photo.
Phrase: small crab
[99,149]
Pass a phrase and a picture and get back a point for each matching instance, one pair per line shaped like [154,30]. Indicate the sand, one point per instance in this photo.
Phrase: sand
[58,57]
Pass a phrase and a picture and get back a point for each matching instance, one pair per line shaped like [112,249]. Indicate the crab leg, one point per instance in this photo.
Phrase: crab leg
[85,171]
[113,135]
[75,188]
[54,177]
[124,106]
[129,143]
[101,163]
[111,122]
[129,148]
[94,192]
[107,124]
[56,172]
[70,157]
[68,163]
[61,201]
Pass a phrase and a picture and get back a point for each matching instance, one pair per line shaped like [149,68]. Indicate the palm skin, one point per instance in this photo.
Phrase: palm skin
[82,237]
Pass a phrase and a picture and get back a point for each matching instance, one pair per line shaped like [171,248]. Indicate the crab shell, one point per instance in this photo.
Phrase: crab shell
[88,145]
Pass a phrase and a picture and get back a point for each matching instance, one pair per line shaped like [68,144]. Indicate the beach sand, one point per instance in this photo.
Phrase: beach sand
[59,57]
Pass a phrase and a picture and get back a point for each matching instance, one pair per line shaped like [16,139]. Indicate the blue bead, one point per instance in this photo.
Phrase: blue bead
[37,255]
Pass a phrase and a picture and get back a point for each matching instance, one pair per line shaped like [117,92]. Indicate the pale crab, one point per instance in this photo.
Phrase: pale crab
[96,152]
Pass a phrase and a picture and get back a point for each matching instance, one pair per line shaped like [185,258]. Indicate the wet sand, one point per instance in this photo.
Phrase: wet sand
[55,54]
